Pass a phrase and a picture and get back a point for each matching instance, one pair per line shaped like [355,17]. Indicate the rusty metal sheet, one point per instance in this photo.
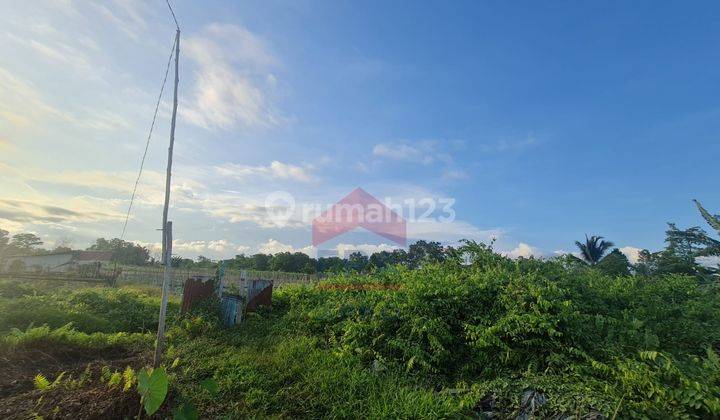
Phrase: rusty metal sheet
[196,289]
[259,294]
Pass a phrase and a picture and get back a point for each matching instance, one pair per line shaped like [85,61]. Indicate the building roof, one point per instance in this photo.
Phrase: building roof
[75,255]
[45,254]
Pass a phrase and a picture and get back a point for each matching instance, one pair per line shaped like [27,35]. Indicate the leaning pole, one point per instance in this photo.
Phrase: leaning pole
[167,226]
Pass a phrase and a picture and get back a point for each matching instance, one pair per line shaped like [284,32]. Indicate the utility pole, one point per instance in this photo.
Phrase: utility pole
[167,226]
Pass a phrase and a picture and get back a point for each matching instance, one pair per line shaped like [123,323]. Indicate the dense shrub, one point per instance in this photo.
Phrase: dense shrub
[88,309]
[650,340]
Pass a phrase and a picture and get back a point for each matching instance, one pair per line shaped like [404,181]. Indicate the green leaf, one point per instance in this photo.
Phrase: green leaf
[211,386]
[115,380]
[712,220]
[187,411]
[58,379]
[41,382]
[129,378]
[153,387]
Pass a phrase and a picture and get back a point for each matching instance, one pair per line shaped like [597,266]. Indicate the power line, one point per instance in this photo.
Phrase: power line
[147,143]
[173,14]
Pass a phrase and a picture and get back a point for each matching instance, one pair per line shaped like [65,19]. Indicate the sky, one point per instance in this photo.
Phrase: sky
[539,122]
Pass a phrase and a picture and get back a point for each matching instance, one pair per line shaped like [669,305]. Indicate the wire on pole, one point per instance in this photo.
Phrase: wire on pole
[147,142]
[172,12]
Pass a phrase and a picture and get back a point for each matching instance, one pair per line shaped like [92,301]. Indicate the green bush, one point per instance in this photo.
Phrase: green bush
[89,310]
[67,340]
[502,318]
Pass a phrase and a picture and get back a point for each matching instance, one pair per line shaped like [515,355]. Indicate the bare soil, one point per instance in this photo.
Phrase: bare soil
[90,398]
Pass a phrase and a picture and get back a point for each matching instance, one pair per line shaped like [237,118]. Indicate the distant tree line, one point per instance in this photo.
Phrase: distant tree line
[680,255]
[124,252]
[297,262]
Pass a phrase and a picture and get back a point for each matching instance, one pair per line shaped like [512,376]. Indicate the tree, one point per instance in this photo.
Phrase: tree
[296,262]
[261,262]
[239,262]
[678,257]
[381,259]
[713,246]
[615,264]
[593,249]
[682,249]
[180,262]
[330,265]
[423,252]
[205,262]
[25,242]
[4,241]
[63,244]
[124,252]
[647,263]
[357,261]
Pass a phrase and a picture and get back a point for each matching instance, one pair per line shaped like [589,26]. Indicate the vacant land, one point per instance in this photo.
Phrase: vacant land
[497,339]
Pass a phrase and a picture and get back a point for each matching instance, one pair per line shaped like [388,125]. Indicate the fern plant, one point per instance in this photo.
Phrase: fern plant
[42,383]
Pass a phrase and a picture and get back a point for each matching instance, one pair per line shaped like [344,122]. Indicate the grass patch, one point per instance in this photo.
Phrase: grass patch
[93,309]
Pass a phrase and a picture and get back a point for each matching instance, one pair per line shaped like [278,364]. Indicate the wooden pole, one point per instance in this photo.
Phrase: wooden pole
[168,174]
[167,278]
[167,226]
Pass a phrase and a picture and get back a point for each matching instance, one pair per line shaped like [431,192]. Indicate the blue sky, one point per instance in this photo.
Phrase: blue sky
[542,121]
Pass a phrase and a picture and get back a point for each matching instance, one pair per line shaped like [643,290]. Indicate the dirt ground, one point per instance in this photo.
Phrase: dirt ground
[87,398]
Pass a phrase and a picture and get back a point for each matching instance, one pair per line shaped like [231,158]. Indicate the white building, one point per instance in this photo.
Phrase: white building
[55,262]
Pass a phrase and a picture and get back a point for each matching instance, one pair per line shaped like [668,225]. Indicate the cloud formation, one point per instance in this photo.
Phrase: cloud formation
[632,253]
[275,170]
[422,152]
[23,211]
[232,80]
[525,251]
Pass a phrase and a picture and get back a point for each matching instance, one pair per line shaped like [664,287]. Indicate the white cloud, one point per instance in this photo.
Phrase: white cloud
[22,103]
[242,249]
[276,170]
[509,145]
[710,261]
[632,253]
[76,209]
[454,174]
[524,250]
[221,245]
[151,189]
[424,152]
[231,78]
[23,107]
[449,233]
[216,249]
[11,226]
[403,152]
[125,15]
[273,246]
[561,252]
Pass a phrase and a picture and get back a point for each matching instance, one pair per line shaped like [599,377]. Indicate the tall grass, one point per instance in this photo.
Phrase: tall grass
[94,309]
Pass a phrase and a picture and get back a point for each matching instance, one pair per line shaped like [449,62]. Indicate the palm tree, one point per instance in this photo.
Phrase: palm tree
[593,249]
